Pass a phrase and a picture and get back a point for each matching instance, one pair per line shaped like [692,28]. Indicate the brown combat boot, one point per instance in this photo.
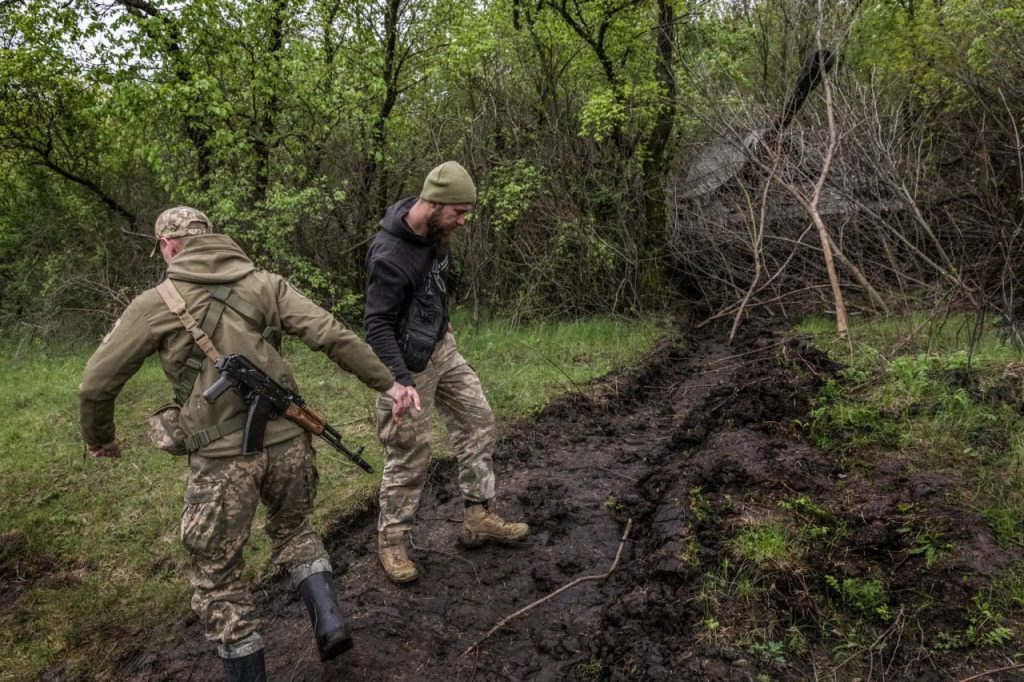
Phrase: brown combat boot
[396,563]
[479,525]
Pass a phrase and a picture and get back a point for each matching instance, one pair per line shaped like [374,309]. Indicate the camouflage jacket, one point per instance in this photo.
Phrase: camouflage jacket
[148,326]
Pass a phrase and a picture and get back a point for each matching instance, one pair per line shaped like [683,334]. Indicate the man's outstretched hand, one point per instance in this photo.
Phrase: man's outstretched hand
[402,398]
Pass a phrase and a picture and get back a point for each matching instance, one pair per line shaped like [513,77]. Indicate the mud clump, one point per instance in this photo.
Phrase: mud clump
[695,449]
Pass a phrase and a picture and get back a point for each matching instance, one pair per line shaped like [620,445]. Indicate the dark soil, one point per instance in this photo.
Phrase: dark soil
[686,449]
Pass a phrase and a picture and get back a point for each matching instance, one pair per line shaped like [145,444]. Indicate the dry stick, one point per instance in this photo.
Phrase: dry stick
[888,631]
[757,240]
[992,672]
[616,473]
[749,352]
[504,621]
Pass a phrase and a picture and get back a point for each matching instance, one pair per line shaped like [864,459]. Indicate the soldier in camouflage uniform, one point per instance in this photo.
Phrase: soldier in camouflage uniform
[407,325]
[243,311]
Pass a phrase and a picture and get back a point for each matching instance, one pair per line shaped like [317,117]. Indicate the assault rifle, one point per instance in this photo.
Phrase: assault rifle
[268,399]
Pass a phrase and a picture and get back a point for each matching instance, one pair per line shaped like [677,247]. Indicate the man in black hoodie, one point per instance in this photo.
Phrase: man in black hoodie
[407,325]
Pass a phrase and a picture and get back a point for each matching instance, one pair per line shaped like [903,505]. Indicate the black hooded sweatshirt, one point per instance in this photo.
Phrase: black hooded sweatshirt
[406,295]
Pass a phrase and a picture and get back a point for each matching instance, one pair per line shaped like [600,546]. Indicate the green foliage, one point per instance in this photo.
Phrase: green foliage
[603,114]
[939,50]
[814,523]
[265,112]
[770,544]
[868,597]
[916,390]
[270,229]
[985,626]
[930,545]
[591,669]
[255,113]
[984,629]
[931,403]
[522,368]
[717,586]
[1002,484]
[580,246]
[1010,587]
[700,506]
[613,505]
[839,423]
[771,651]
[511,189]
[804,505]
[911,402]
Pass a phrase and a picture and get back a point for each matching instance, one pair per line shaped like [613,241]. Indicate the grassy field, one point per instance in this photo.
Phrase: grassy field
[905,565]
[922,388]
[89,550]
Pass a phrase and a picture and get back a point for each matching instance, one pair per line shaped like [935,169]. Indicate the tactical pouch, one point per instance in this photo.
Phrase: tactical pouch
[419,331]
[416,350]
[164,431]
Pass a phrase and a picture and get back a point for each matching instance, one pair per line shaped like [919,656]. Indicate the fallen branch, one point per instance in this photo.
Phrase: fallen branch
[507,619]
[616,473]
[881,638]
[992,672]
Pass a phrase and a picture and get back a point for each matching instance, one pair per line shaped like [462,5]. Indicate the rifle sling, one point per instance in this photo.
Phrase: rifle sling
[201,333]
[201,439]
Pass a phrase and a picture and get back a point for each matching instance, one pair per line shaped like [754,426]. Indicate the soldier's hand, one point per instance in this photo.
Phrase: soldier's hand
[402,398]
[413,396]
[111,449]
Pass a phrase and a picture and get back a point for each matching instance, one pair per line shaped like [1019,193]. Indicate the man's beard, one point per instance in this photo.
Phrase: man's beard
[438,234]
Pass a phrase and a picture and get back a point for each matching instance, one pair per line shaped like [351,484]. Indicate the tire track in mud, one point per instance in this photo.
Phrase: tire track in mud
[630,447]
[695,445]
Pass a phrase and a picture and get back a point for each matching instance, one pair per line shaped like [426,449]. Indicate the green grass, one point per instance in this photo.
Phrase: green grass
[93,544]
[874,342]
[800,574]
[769,544]
[915,385]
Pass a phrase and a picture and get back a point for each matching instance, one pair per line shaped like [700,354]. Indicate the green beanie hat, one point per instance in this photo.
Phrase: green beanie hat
[449,183]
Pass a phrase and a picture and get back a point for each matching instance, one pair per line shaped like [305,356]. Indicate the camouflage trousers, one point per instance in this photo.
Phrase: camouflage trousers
[450,384]
[220,503]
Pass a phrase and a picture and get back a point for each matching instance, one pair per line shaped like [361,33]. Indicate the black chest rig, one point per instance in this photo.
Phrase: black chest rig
[426,317]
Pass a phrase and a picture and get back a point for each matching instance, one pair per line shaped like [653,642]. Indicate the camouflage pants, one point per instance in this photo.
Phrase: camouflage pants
[453,386]
[220,502]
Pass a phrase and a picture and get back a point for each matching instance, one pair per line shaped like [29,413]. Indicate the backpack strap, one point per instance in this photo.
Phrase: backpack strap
[247,312]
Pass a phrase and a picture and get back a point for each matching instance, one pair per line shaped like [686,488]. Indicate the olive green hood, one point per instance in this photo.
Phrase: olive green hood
[210,259]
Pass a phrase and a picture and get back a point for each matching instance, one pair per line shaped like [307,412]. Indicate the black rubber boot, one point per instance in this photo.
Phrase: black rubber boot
[332,636]
[245,669]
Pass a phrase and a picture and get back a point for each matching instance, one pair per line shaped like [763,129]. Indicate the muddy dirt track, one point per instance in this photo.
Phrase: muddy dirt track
[682,449]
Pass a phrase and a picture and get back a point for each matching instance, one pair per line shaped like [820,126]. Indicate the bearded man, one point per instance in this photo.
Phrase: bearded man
[408,326]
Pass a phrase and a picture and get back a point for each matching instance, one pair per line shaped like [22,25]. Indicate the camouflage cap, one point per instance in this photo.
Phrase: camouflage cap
[177,222]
